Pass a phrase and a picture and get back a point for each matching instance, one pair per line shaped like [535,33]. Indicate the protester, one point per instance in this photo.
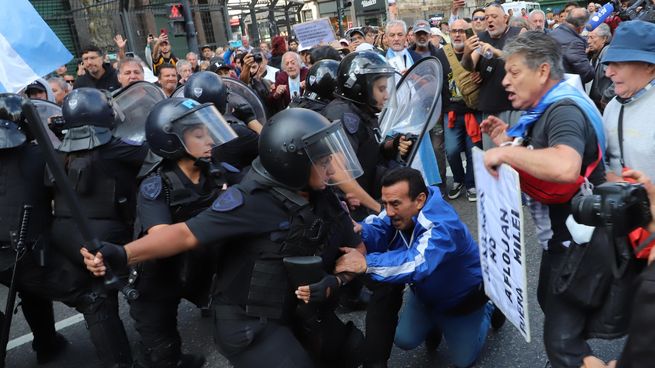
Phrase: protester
[96,73]
[290,82]
[423,47]
[162,54]
[601,90]
[279,47]
[440,248]
[566,139]
[167,79]
[461,122]
[483,53]
[184,70]
[192,58]
[59,89]
[398,55]
[574,46]
[537,21]
[478,21]
[207,52]
[130,70]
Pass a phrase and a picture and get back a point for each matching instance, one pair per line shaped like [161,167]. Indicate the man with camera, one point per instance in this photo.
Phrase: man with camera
[555,146]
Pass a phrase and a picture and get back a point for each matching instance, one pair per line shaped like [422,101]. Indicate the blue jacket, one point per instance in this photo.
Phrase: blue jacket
[440,258]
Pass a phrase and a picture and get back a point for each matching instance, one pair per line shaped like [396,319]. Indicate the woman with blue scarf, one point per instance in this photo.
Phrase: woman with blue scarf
[556,146]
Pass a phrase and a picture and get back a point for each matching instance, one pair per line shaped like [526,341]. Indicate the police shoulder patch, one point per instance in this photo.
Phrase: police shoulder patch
[351,122]
[229,167]
[151,187]
[229,200]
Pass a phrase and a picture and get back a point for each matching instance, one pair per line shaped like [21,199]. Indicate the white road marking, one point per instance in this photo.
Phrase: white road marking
[21,340]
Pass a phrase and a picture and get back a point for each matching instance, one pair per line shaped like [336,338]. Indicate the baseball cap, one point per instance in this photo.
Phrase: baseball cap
[435,31]
[421,26]
[35,86]
[632,41]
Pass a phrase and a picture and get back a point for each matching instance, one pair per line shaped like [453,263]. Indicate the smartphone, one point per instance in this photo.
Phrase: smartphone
[163,31]
[129,54]
[469,33]
[150,35]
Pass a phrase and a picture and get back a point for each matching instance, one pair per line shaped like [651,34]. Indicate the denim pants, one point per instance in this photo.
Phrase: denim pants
[465,335]
[458,140]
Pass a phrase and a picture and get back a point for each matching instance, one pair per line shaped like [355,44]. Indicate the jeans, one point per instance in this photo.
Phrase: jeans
[465,335]
[458,140]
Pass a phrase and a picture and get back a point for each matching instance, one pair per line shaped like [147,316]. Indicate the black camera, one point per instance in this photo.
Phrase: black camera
[622,206]
[257,57]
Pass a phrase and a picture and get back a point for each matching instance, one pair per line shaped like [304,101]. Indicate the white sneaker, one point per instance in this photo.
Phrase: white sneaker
[471,195]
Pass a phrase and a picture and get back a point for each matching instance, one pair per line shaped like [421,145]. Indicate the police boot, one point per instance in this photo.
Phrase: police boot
[38,312]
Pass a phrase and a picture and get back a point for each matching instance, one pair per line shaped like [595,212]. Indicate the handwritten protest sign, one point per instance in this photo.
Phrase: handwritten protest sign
[502,249]
[312,33]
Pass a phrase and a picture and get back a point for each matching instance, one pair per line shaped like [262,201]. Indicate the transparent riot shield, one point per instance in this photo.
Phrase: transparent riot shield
[134,103]
[51,116]
[241,91]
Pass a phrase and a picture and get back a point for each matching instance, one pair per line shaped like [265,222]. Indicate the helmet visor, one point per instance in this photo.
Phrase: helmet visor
[202,130]
[332,156]
[134,104]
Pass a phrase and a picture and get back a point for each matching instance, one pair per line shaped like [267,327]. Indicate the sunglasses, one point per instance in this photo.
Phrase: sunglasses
[70,81]
[479,18]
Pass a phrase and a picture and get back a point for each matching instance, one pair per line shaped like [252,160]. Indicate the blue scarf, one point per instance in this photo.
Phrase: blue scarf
[561,91]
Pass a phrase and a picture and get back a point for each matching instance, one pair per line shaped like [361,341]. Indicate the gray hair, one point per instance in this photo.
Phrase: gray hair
[396,22]
[519,22]
[180,64]
[129,60]
[295,55]
[578,20]
[61,82]
[191,53]
[604,31]
[496,5]
[536,11]
[537,48]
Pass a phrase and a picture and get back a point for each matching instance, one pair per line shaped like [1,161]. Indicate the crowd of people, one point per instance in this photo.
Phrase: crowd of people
[269,214]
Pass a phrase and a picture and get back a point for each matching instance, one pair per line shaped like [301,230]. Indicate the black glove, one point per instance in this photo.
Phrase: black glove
[114,256]
[319,290]
[244,112]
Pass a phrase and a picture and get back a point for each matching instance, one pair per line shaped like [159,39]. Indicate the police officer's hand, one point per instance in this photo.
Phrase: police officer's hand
[352,260]
[114,255]
[319,291]
[244,112]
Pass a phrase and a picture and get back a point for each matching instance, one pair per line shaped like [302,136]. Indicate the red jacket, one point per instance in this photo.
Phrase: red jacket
[282,79]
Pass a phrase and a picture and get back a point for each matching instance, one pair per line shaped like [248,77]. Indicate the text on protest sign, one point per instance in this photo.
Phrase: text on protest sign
[500,236]
[312,33]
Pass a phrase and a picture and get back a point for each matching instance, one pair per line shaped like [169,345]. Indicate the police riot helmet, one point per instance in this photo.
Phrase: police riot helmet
[88,106]
[13,125]
[296,138]
[207,87]
[171,119]
[357,73]
[321,82]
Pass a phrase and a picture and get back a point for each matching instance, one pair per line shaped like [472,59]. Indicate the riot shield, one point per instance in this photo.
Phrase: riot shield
[415,106]
[51,117]
[240,91]
[134,103]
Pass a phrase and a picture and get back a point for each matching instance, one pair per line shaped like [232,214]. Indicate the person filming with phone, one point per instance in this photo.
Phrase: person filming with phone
[161,53]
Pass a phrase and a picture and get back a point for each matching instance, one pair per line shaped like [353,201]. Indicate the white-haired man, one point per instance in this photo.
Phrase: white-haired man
[398,55]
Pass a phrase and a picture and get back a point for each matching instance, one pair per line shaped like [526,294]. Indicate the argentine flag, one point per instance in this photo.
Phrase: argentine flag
[28,47]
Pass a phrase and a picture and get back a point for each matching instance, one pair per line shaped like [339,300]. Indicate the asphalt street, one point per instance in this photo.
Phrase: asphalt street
[505,348]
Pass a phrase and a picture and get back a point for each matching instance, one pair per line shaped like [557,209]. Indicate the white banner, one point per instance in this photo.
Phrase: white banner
[315,32]
[500,238]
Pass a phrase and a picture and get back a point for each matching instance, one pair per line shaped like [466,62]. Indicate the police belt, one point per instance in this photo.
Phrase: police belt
[473,301]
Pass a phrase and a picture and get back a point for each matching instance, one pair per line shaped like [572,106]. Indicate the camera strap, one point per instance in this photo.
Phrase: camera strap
[621,136]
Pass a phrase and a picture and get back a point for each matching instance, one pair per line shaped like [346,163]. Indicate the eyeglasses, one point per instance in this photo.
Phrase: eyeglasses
[480,19]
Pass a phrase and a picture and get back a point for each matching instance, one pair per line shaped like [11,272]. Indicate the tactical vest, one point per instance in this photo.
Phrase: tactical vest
[253,276]
[21,171]
[96,186]
[185,203]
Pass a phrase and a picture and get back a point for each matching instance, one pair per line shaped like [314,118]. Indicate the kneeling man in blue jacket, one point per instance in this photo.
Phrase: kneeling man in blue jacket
[418,239]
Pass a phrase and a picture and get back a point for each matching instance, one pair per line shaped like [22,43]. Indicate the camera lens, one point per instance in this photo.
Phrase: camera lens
[585,210]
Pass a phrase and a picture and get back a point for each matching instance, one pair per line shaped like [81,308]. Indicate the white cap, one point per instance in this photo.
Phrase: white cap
[436,32]
[364,46]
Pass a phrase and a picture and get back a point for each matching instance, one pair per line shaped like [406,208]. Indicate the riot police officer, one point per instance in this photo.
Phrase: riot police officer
[209,87]
[320,85]
[365,82]
[22,166]
[102,170]
[285,195]
[183,132]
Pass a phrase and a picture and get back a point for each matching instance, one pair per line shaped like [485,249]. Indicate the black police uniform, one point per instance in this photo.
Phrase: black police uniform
[105,181]
[168,196]
[241,151]
[308,103]
[21,170]
[253,301]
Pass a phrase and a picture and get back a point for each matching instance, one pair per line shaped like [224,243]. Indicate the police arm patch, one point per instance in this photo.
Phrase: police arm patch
[151,187]
[351,122]
[229,200]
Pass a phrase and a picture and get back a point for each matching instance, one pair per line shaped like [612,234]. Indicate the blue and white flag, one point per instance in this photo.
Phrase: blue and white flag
[29,49]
